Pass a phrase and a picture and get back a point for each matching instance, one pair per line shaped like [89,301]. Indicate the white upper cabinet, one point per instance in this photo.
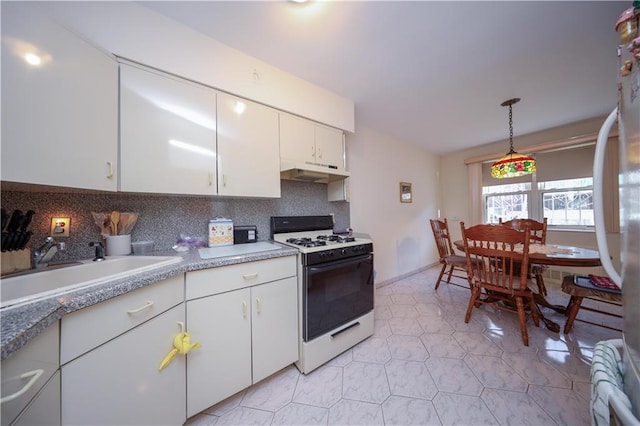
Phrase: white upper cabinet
[329,147]
[59,104]
[167,134]
[248,151]
[306,142]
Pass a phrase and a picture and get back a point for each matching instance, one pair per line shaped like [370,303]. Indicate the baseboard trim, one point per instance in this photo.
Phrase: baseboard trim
[403,276]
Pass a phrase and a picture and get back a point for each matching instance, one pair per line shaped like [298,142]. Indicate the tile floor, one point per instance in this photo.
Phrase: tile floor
[425,366]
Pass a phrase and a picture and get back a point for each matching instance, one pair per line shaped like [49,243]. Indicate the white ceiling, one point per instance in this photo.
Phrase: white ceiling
[433,73]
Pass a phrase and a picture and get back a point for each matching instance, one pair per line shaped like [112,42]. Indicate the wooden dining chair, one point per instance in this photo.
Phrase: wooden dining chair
[538,229]
[448,258]
[497,262]
[538,236]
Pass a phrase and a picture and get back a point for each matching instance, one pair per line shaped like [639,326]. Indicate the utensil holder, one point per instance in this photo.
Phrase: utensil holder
[119,245]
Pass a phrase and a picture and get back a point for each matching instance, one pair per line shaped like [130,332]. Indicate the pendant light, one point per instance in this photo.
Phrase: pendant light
[512,164]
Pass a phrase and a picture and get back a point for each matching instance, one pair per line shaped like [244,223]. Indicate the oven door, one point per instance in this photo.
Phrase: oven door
[335,293]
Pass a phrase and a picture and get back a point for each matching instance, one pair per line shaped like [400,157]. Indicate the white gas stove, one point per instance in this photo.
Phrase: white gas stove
[336,288]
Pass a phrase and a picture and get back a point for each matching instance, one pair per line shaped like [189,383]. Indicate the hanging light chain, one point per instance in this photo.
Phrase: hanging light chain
[510,128]
[510,103]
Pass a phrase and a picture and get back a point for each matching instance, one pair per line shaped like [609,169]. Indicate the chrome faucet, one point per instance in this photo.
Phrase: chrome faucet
[45,252]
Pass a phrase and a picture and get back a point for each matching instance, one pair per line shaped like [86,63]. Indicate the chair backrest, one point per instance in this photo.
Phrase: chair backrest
[440,230]
[497,256]
[538,229]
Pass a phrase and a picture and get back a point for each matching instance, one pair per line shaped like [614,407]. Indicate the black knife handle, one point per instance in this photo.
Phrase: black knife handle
[14,222]
[26,221]
[5,218]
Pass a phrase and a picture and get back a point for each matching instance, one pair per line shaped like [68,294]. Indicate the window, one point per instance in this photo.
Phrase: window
[568,202]
[561,190]
[506,201]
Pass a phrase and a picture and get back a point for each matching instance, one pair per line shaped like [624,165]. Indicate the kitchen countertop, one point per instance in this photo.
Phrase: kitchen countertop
[19,324]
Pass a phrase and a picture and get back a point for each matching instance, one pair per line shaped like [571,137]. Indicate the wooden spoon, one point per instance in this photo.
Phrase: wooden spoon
[115,219]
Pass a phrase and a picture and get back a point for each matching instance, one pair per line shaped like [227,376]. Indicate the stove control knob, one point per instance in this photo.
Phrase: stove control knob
[322,255]
[330,253]
[343,252]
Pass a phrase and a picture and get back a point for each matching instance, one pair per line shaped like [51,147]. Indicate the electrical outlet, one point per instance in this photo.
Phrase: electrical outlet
[60,226]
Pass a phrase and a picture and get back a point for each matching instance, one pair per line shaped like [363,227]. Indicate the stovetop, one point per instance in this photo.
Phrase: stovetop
[321,240]
[312,234]
[312,241]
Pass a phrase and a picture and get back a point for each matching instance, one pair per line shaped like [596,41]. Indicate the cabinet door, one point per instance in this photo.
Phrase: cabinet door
[297,139]
[27,371]
[222,366]
[248,152]
[44,410]
[167,135]
[329,147]
[275,326]
[119,382]
[59,117]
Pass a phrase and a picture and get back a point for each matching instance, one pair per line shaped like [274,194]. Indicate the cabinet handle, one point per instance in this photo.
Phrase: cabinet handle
[141,308]
[210,179]
[109,170]
[36,375]
[319,152]
[258,305]
[244,309]
[313,151]
[250,276]
[224,180]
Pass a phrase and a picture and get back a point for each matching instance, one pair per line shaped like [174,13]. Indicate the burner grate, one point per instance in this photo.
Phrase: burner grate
[306,242]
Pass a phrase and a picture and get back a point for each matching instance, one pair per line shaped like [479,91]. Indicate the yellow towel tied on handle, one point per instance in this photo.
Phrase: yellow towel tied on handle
[181,345]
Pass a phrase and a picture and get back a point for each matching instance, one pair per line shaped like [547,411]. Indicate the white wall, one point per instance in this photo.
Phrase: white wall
[403,242]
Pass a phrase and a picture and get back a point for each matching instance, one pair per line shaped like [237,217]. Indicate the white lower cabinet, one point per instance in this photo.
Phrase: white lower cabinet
[248,328]
[119,382]
[110,354]
[222,366]
[274,332]
[44,410]
[27,372]
[100,366]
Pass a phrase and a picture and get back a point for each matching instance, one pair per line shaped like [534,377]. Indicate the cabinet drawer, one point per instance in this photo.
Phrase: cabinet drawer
[83,330]
[36,362]
[227,278]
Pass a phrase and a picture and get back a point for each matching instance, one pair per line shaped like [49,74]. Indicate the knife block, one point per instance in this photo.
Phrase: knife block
[15,261]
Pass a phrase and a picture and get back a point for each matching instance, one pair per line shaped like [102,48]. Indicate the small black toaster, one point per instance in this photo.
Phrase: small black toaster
[245,234]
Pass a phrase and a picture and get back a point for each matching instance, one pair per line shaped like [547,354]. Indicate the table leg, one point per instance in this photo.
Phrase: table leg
[573,308]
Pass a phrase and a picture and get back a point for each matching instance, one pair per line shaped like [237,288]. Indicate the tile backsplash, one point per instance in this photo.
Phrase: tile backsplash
[164,218]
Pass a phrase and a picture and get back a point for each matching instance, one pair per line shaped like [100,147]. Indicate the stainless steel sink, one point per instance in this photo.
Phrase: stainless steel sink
[52,281]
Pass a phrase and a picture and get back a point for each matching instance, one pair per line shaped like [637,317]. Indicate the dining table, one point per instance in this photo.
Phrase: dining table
[555,255]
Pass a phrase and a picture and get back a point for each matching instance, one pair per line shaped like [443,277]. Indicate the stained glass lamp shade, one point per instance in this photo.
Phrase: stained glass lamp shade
[512,164]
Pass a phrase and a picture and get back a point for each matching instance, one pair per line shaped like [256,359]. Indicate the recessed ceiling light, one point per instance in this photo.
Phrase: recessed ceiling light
[32,59]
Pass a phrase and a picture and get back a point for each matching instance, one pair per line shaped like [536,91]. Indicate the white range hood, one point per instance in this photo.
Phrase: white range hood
[310,172]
